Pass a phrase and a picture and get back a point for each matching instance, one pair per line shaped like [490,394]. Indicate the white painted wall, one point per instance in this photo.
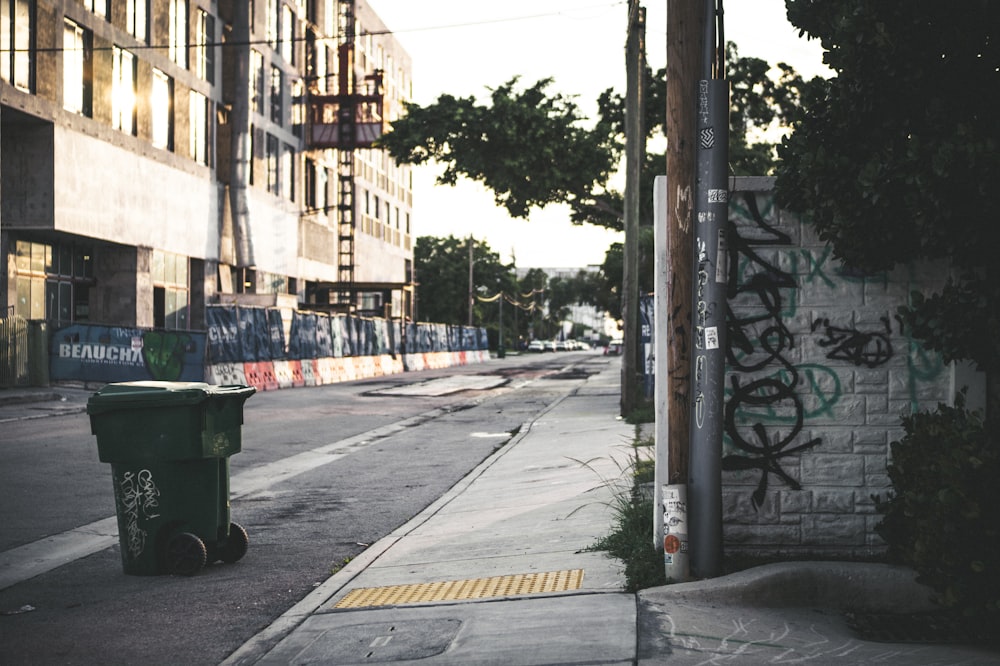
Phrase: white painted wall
[107,192]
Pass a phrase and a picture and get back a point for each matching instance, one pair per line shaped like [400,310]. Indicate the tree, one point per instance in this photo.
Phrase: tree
[442,268]
[531,149]
[605,293]
[756,103]
[897,157]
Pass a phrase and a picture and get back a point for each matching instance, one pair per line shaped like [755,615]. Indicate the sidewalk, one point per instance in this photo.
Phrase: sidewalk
[512,540]
[20,403]
[498,572]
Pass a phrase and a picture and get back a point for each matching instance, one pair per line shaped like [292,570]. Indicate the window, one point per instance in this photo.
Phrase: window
[287,172]
[321,69]
[161,102]
[273,33]
[99,7]
[177,32]
[204,41]
[315,187]
[17,25]
[171,294]
[256,81]
[136,12]
[272,164]
[315,60]
[330,18]
[52,281]
[199,128]
[276,101]
[287,44]
[298,107]
[78,73]
[123,90]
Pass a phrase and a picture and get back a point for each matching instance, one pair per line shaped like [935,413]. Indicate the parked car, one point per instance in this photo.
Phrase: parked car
[536,346]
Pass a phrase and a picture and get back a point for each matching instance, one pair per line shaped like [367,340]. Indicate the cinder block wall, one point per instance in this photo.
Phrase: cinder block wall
[815,393]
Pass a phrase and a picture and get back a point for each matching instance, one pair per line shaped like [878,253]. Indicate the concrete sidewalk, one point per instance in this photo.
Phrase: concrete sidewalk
[498,571]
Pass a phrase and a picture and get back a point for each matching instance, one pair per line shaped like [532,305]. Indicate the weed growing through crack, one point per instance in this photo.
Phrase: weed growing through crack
[631,536]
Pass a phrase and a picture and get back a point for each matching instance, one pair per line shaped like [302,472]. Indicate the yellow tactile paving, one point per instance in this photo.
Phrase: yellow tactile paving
[457,590]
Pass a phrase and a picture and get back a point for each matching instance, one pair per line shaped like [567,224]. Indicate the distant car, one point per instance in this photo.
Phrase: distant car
[614,348]
[536,346]
[561,345]
[550,345]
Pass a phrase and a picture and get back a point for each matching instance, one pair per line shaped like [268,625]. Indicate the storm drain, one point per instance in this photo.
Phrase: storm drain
[459,590]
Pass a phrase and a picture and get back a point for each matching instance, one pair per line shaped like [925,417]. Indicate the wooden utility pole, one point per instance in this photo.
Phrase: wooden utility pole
[635,148]
[684,47]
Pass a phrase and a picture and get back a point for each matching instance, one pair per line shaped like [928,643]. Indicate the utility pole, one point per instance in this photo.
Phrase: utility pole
[471,291]
[684,38]
[674,195]
[635,148]
[708,363]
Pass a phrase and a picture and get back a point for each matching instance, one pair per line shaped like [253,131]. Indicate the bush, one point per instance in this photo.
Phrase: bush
[943,516]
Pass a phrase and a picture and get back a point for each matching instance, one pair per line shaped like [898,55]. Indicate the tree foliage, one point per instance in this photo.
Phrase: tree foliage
[896,159]
[533,148]
[530,148]
[607,292]
[756,102]
[442,267]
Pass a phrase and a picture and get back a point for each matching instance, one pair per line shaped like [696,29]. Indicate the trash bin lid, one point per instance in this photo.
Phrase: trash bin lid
[142,394]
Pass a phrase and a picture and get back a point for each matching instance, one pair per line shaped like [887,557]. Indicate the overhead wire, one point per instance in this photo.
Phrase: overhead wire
[326,38]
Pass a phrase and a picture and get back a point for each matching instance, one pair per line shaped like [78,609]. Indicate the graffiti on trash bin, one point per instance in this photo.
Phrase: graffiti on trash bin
[137,494]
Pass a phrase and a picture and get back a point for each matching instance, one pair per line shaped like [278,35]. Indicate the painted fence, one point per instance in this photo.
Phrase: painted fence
[819,372]
[249,345]
[104,354]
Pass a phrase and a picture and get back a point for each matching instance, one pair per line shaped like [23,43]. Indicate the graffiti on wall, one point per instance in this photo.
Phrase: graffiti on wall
[759,340]
[774,390]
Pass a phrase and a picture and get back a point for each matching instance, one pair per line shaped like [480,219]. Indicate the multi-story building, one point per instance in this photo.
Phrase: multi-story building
[157,156]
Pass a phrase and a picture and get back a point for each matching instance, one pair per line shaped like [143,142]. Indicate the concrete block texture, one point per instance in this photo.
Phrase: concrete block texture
[820,374]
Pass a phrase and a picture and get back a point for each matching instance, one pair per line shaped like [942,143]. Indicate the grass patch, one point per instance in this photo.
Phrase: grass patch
[631,536]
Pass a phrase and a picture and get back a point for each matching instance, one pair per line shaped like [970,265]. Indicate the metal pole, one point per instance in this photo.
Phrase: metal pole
[709,314]
[501,352]
[470,280]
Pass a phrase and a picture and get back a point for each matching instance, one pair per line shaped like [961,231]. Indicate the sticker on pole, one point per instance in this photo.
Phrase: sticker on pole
[675,533]
[711,337]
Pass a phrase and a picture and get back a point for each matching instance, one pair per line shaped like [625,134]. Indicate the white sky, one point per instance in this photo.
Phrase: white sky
[463,47]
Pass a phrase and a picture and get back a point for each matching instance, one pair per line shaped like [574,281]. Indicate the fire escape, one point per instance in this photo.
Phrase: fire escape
[347,121]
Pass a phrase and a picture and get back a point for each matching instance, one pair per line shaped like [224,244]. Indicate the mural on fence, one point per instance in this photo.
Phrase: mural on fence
[250,334]
[87,352]
[776,386]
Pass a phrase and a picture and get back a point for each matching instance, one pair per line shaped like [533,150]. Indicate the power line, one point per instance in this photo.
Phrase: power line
[276,44]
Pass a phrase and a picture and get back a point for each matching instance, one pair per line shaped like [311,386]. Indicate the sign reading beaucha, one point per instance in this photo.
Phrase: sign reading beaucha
[85,352]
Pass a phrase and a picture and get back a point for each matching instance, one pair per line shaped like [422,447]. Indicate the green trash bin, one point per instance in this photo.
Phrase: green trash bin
[169,445]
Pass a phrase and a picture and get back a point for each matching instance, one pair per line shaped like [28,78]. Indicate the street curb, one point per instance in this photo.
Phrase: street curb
[854,586]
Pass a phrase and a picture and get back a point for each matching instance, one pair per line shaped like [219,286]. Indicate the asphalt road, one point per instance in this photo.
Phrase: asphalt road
[324,472]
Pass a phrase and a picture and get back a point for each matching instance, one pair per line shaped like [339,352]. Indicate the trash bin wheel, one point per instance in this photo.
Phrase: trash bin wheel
[186,554]
[236,545]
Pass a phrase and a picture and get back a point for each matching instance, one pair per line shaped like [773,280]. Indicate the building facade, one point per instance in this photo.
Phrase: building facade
[127,127]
